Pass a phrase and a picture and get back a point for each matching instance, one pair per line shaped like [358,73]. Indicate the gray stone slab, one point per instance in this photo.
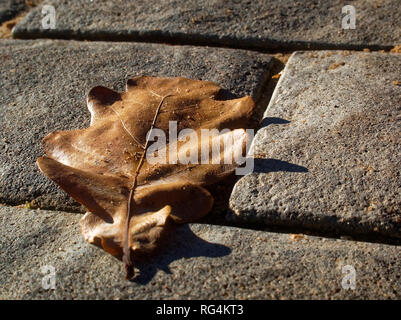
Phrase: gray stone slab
[197,262]
[10,8]
[43,88]
[328,155]
[269,24]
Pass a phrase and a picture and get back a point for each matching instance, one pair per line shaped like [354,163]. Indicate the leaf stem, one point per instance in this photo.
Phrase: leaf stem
[129,265]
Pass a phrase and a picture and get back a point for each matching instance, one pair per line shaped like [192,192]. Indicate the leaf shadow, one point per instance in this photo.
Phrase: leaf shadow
[181,242]
[263,165]
[272,120]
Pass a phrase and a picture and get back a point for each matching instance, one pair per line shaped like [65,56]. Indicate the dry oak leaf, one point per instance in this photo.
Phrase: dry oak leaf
[100,166]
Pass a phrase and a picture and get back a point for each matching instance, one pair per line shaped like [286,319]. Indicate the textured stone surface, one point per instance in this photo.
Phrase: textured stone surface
[329,151]
[43,87]
[10,8]
[197,262]
[248,24]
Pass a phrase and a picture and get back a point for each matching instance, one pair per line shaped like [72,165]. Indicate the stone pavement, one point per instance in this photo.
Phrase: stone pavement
[328,154]
[271,24]
[198,262]
[327,151]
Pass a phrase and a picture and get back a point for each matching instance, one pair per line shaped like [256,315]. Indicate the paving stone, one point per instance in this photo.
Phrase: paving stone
[328,156]
[10,8]
[197,262]
[284,24]
[44,86]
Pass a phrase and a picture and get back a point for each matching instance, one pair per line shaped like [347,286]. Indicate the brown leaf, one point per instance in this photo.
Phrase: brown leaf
[97,165]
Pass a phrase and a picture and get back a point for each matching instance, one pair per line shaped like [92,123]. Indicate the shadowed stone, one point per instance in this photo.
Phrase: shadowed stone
[196,262]
[328,156]
[10,8]
[44,84]
[285,24]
